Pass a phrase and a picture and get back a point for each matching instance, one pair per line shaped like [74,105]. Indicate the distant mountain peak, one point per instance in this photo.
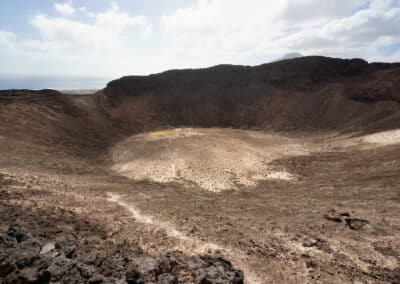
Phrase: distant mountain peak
[291,55]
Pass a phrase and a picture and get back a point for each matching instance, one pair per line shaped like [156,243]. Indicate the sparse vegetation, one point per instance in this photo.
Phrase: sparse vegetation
[163,133]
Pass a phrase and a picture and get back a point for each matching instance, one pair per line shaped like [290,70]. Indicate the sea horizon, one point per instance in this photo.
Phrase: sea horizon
[33,82]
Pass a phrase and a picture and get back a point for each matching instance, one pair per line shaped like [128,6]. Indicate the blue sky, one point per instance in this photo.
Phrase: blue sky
[114,38]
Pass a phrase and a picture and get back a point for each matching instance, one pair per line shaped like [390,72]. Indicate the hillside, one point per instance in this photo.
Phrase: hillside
[299,94]
[286,172]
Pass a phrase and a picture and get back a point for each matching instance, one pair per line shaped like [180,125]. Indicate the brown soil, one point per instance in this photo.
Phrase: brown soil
[213,159]
[337,220]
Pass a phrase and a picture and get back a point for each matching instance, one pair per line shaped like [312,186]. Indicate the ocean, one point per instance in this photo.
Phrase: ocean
[52,82]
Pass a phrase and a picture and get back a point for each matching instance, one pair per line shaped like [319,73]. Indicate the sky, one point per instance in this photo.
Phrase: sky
[112,38]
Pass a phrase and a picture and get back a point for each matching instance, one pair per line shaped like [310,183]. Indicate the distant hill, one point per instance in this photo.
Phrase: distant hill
[305,93]
[291,55]
[311,93]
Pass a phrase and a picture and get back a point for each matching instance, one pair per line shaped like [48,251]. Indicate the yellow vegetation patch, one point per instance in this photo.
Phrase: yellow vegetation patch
[163,133]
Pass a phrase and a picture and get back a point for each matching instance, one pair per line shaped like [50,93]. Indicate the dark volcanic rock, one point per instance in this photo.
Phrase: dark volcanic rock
[21,261]
[167,278]
[143,270]
[301,93]
[18,232]
[214,270]
[181,269]
[67,246]
[25,93]
[355,223]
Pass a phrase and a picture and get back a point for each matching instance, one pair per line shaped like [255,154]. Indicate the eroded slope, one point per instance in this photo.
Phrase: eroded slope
[331,124]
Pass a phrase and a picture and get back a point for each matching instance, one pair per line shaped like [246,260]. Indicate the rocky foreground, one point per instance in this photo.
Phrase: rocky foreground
[24,259]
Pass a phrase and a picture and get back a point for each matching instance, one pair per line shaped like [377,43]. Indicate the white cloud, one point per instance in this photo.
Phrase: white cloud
[7,39]
[111,34]
[105,45]
[65,9]
[312,11]
[207,32]
[108,27]
[223,29]
[234,31]
[361,34]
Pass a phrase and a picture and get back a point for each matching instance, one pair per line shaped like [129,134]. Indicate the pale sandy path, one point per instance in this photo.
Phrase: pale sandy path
[188,244]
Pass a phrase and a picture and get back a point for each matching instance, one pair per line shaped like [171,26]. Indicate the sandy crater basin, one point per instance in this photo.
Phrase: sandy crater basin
[212,159]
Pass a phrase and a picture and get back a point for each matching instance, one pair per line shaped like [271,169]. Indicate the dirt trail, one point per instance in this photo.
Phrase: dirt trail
[189,245]
[149,220]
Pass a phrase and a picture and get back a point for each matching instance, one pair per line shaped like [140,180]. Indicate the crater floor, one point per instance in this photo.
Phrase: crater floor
[280,207]
[213,159]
